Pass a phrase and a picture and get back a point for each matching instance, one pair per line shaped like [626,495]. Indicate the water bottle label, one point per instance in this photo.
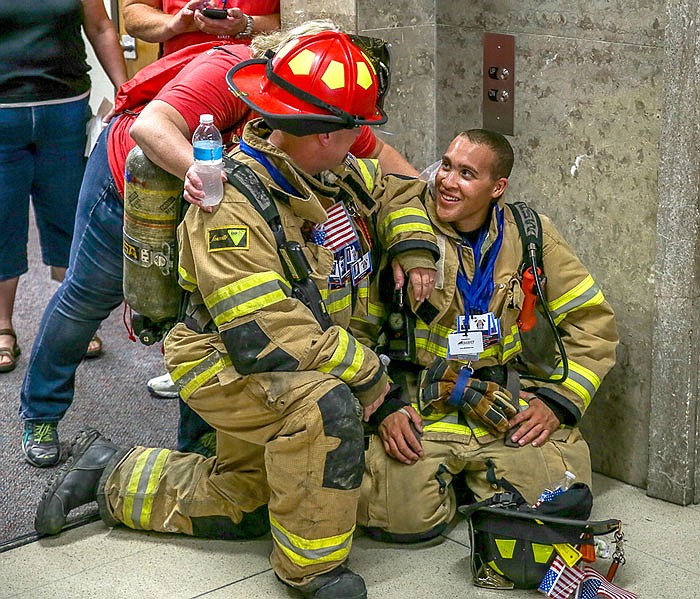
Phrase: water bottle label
[208,153]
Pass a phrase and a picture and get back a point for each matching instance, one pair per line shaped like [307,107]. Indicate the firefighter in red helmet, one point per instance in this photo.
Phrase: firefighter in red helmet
[266,352]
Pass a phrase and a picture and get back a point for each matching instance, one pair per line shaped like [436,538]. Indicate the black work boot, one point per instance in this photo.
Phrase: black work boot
[75,483]
[339,583]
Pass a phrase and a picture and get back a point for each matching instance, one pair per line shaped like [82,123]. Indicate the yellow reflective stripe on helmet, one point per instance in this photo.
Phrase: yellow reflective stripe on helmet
[404,220]
[338,299]
[306,552]
[585,294]
[506,547]
[190,376]
[368,170]
[246,296]
[185,279]
[541,553]
[346,359]
[141,488]
[581,381]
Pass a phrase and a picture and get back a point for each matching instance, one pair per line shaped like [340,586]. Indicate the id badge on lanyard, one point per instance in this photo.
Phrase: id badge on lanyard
[474,334]
[478,328]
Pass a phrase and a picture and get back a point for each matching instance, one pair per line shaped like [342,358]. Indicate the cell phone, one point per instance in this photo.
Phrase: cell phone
[215,13]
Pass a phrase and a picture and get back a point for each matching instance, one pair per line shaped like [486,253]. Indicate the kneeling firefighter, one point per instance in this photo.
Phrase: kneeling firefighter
[265,355]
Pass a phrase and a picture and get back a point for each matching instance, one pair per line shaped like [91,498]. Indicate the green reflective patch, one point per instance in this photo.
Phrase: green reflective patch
[228,238]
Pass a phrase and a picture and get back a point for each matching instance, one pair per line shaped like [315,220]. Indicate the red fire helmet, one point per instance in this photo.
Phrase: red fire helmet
[315,84]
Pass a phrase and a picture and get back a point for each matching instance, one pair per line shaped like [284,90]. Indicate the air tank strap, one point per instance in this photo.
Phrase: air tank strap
[145,255]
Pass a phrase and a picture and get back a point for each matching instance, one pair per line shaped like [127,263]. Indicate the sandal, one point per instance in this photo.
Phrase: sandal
[9,352]
[96,350]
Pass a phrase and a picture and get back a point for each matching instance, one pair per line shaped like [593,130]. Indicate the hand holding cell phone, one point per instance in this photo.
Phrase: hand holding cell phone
[215,13]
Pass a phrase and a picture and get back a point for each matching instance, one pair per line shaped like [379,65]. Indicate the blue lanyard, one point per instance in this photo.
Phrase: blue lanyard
[271,168]
[476,294]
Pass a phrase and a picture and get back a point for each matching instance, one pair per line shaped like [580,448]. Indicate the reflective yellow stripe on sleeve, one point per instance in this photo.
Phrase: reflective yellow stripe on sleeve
[585,294]
[580,380]
[142,486]
[368,170]
[246,296]
[346,359]
[404,220]
[185,279]
[306,552]
[190,376]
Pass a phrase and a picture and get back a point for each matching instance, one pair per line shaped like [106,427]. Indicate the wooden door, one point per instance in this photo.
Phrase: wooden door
[137,53]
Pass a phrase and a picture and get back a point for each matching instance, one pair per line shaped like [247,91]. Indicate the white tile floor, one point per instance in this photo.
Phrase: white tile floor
[662,550]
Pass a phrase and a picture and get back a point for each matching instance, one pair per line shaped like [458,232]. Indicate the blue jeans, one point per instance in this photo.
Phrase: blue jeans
[91,290]
[42,155]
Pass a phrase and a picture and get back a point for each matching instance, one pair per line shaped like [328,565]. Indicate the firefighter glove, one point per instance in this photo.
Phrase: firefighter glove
[436,384]
[485,401]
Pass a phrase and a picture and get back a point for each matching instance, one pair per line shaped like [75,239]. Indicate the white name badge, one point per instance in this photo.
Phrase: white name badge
[466,346]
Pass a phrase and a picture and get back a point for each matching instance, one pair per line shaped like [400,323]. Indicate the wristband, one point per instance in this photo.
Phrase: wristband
[248,29]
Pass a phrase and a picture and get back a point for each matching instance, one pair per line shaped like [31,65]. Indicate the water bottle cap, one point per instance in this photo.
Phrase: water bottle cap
[570,475]
[206,119]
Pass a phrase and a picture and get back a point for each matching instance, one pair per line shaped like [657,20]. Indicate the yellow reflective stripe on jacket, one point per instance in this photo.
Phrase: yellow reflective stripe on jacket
[143,483]
[433,339]
[346,359]
[439,422]
[375,314]
[368,170]
[581,381]
[306,552]
[404,220]
[246,296]
[190,376]
[585,294]
[339,299]
[185,279]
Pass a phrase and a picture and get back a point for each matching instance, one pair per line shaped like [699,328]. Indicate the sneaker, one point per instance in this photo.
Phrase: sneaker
[163,386]
[40,444]
[339,583]
[75,482]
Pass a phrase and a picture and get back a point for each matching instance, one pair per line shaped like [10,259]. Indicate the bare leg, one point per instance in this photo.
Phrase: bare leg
[8,290]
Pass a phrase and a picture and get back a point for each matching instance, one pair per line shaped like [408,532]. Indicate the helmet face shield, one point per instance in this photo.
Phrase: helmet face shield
[378,52]
[315,84]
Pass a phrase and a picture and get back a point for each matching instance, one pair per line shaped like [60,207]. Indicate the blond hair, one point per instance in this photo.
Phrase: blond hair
[274,41]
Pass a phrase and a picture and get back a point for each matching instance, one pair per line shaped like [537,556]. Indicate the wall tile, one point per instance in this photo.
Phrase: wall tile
[638,22]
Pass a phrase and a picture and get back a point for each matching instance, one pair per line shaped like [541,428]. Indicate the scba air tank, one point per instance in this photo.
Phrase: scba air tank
[151,214]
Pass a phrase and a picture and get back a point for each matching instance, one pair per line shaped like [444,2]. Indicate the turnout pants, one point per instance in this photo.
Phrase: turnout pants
[291,440]
[415,502]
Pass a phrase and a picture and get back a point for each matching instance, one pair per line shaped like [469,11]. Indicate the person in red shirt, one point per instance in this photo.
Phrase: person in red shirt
[178,23]
[93,288]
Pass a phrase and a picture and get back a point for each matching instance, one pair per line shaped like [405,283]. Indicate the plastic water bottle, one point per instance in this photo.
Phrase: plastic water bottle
[208,152]
[556,489]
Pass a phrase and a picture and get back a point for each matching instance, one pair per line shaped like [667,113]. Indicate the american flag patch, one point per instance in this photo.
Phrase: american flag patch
[338,229]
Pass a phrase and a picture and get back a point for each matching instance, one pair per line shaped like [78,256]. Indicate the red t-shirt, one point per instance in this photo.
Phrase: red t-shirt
[249,7]
[201,88]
